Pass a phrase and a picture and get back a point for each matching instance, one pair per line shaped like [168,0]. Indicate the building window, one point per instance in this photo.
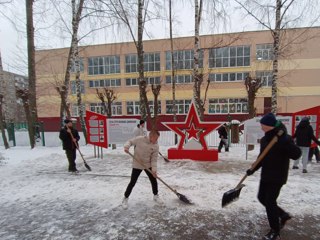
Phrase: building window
[179,79]
[73,66]
[228,77]
[151,62]
[228,105]
[181,105]
[103,65]
[151,105]
[133,108]
[75,110]
[74,88]
[266,78]
[264,52]
[183,59]
[97,108]
[135,81]
[237,56]
[116,108]
[105,83]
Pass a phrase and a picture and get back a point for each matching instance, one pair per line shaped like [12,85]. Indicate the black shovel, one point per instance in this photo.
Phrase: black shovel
[233,194]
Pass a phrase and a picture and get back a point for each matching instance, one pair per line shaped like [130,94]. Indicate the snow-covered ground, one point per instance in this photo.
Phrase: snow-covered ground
[40,200]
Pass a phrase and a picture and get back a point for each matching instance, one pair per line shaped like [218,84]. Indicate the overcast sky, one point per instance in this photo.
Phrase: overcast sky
[13,41]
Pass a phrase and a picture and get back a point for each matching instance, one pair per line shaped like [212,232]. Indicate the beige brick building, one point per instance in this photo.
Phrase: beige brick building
[226,59]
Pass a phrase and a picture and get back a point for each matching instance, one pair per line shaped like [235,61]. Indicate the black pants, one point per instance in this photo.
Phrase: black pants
[223,142]
[134,177]
[268,194]
[71,155]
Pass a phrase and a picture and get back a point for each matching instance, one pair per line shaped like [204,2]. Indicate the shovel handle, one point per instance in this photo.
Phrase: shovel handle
[146,168]
[262,155]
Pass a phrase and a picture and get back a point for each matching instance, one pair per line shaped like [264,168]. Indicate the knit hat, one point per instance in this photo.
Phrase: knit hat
[269,120]
[141,122]
[67,121]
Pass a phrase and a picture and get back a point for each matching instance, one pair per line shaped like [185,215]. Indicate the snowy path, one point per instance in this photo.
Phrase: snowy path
[40,201]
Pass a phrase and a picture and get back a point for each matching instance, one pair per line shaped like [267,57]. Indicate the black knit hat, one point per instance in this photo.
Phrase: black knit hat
[67,121]
[269,120]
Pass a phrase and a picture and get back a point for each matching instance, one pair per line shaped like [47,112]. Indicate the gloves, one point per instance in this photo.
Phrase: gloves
[250,172]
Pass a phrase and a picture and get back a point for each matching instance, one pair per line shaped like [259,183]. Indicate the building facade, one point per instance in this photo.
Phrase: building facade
[225,60]
[13,110]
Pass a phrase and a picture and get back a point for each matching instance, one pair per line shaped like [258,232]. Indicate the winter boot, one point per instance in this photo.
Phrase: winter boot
[125,203]
[284,219]
[271,235]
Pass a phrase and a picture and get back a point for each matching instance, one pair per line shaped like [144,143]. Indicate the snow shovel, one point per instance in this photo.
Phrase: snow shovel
[84,161]
[182,197]
[166,159]
[233,194]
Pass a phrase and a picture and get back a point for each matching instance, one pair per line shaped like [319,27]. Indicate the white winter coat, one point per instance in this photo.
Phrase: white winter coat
[144,151]
[138,131]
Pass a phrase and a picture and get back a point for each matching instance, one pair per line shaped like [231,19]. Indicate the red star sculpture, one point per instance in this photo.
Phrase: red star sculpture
[195,129]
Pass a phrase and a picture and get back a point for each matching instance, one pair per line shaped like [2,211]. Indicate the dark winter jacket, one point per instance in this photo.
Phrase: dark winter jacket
[67,142]
[223,132]
[275,165]
[304,134]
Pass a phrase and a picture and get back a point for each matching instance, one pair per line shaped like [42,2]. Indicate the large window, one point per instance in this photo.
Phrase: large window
[266,78]
[237,56]
[180,79]
[74,88]
[228,77]
[135,81]
[116,108]
[183,59]
[151,62]
[181,105]
[264,52]
[105,83]
[75,110]
[228,105]
[151,105]
[103,65]
[133,108]
[73,66]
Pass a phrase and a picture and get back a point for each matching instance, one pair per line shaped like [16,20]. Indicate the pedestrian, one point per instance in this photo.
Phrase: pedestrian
[274,172]
[314,150]
[146,151]
[138,130]
[304,136]
[223,135]
[70,137]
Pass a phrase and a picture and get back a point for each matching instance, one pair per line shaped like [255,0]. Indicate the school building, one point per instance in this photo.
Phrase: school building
[226,59]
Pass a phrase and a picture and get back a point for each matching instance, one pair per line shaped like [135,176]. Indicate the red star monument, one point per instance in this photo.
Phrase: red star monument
[192,144]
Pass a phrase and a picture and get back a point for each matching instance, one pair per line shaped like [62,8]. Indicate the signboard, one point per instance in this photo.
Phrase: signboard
[253,132]
[96,129]
[120,130]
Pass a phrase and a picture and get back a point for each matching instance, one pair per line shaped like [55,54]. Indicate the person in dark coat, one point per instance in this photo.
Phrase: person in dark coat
[304,135]
[274,172]
[70,143]
[223,135]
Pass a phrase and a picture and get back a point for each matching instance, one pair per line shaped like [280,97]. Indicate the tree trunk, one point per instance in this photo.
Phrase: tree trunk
[32,102]
[4,138]
[276,43]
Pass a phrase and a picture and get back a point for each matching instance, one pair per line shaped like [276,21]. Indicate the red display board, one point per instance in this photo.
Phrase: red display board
[195,130]
[96,129]
[314,115]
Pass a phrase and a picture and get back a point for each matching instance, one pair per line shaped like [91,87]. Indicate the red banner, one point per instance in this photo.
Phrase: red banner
[96,129]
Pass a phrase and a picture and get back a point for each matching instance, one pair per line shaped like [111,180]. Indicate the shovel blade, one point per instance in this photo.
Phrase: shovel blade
[183,198]
[231,195]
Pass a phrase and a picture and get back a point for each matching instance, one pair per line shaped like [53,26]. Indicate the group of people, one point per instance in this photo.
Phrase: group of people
[274,165]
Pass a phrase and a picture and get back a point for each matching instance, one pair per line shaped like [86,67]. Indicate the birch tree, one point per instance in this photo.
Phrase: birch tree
[277,16]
